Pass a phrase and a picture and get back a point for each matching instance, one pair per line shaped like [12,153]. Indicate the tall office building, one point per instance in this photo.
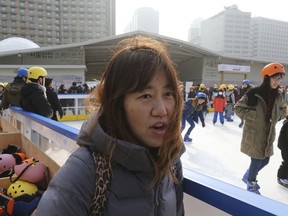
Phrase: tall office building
[235,33]
[269,39]
[54,22]
[144,19]
[227,32]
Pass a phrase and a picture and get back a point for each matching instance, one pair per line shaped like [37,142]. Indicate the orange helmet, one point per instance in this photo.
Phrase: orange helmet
[272,69]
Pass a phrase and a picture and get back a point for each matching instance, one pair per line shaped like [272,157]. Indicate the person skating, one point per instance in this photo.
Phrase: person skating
[190,106]
[261,108]
[219,103]
[246,85]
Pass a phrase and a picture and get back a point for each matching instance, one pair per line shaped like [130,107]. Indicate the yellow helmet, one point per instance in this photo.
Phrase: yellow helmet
[5,84]
[202,86]
[2,84]
[20,187]
[36,72]
[230,87]
[223,86]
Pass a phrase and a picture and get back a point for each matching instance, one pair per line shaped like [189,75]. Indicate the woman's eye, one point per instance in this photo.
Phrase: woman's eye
[169,94]
[146,96]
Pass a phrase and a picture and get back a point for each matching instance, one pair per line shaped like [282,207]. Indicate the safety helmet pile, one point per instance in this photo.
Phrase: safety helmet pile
[272,69]
[36,72]
[20,187]
[31,171]
[22,72]
[7,162]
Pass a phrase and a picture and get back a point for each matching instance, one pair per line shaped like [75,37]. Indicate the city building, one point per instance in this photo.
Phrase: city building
[144,19]
[237,34]
[55,22]
[231,31]
[269,39]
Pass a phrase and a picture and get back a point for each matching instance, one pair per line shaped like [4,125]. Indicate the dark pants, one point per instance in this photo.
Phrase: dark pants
[283,169]
[255,166]
[189,119]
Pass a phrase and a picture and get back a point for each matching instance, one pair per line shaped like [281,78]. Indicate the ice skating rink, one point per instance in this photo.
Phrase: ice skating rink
[215,152]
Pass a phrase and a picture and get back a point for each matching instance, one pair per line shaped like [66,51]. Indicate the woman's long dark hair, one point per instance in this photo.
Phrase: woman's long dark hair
[269,95]
[131,68]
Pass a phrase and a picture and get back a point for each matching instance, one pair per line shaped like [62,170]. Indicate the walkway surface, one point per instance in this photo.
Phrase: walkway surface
[215,152]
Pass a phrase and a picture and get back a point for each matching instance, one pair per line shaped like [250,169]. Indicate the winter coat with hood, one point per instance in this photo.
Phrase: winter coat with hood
[258,132]
[219,103]
[12,93]
[54,102]
[71,190]
[33,99]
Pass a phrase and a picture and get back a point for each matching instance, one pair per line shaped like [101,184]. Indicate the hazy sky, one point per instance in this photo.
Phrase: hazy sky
[177,15]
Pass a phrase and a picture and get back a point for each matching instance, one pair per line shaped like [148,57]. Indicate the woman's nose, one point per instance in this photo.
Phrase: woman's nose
[159,108]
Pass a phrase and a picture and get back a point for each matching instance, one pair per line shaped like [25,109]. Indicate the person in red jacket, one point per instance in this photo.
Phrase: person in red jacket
[219,103]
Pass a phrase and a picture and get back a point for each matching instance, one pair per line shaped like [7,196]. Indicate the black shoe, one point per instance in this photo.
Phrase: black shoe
[241,124]
[283,182]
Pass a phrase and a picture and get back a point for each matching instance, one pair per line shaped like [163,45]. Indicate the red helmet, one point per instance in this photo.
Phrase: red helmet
[31,172]
[272,69]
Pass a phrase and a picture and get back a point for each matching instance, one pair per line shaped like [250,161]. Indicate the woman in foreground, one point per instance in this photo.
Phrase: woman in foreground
[128,162]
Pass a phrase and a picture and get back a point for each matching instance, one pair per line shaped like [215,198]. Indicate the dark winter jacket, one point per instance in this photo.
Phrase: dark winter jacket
[54,102]
[71,190]
[258,134]
[12,93]
[190,106]
[34,99]
[283,136]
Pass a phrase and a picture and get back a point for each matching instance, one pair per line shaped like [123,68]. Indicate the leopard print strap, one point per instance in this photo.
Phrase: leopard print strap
[103,178]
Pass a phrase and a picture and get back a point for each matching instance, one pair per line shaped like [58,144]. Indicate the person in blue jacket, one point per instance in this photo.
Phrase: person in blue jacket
[128,160]
[190,106]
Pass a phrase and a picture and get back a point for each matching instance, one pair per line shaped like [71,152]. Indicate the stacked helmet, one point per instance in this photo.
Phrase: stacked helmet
[246,82]
[32,172]
[20,187]
[7,161]
[36,72]
[201,95]
[22,72]
[272,69]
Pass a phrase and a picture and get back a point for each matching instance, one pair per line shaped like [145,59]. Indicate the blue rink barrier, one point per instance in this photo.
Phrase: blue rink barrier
[220,195]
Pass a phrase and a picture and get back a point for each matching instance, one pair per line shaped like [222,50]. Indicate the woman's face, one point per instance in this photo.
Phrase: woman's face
[149,112]
[275,81]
